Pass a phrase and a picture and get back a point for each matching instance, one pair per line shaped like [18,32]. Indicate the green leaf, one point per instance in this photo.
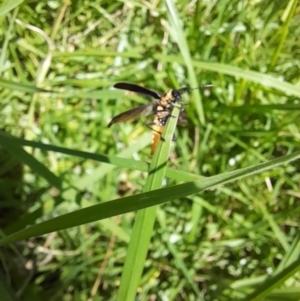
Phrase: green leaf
[143,226]
[143,200]
[21,87]
[8,5]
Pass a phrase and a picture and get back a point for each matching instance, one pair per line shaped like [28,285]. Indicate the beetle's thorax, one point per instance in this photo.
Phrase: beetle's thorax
[170,98]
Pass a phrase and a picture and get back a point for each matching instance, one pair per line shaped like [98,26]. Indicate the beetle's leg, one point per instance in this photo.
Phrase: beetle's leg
[150,124]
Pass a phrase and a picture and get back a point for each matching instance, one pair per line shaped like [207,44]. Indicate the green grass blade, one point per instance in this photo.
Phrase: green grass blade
[98,53]
[143,227]
[120,162]
[8,36]
[180,38]
[253,76]
[178,261]
[21,87]
[8,5]
[183,268]
[290,9]
[29,160]
[274,281]
[143,200]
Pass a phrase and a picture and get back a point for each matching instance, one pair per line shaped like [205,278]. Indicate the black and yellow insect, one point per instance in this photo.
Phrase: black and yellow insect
[162,109]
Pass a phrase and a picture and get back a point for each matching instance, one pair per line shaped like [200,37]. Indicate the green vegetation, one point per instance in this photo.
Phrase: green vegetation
[63,170]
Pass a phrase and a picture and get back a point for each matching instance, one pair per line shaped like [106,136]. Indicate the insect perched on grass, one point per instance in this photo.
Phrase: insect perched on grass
[162,109]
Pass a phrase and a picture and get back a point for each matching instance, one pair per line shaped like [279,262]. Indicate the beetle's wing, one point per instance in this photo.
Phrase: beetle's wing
[137,89]
[133,113]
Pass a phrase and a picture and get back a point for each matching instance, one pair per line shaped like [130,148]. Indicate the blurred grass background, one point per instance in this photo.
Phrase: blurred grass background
[219,244]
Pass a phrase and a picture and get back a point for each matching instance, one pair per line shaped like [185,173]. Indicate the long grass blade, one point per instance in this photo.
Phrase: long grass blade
[143,200]
[143,227]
